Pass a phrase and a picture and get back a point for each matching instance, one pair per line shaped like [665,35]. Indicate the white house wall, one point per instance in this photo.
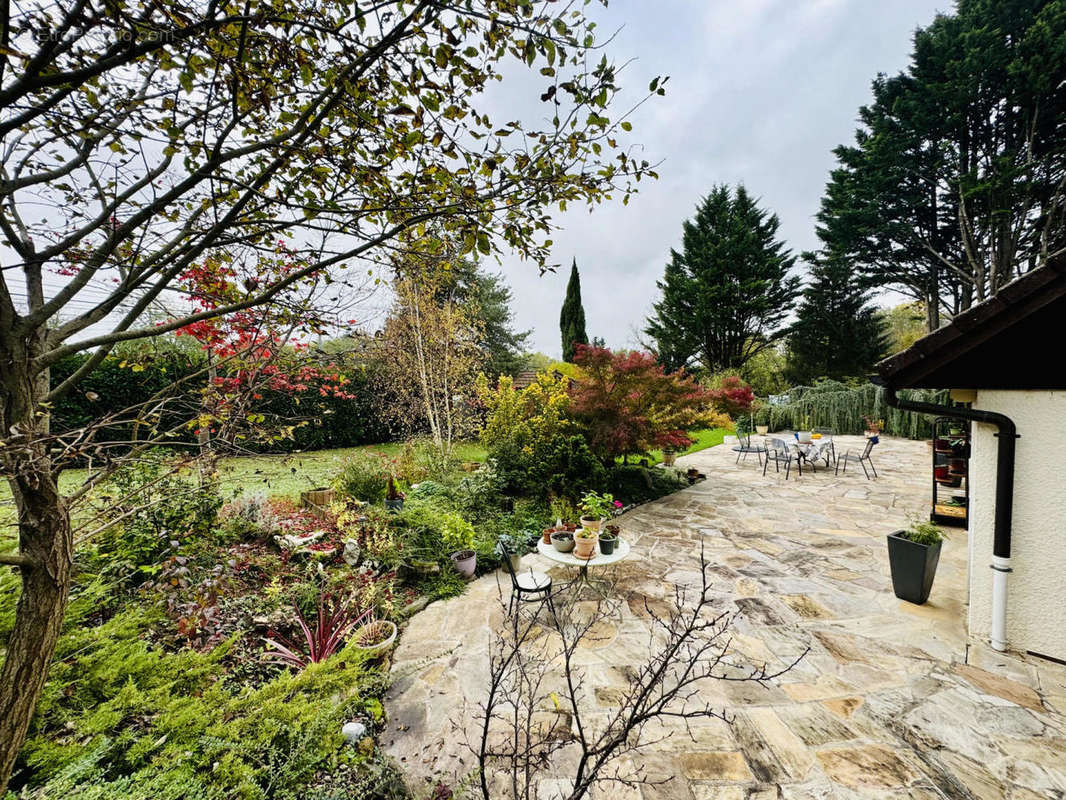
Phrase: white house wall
[1036,595]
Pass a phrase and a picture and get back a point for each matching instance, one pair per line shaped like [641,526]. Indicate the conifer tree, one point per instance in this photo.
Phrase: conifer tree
[572,316]
[836,335]
[725,294]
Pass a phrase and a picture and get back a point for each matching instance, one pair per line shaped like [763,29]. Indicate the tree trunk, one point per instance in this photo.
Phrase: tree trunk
[45,542]
[45,538]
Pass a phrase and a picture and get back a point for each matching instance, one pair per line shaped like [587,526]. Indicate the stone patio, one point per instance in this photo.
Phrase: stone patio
[892,700]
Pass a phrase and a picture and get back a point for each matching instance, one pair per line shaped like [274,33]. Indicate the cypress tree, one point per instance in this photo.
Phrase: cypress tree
[572,316]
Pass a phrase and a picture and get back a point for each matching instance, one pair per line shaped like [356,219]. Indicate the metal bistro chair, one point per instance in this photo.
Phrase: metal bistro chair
[779,452]
[745,447]
[863,458]
[526,586]
[830,448]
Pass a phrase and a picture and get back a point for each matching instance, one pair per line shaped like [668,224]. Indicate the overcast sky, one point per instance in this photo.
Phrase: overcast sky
[760,92]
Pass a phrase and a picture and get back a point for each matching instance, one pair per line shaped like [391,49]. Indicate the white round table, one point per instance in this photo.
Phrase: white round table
[621,550]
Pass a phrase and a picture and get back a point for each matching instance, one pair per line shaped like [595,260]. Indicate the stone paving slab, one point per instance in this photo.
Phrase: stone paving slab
[892,701]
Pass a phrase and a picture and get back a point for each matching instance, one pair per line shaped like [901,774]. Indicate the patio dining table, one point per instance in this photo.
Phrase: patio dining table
[813,450]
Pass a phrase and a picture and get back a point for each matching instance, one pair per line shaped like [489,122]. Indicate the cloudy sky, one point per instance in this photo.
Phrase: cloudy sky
[760,92]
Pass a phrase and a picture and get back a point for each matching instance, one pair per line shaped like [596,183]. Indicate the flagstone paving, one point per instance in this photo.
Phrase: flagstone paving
[891,701]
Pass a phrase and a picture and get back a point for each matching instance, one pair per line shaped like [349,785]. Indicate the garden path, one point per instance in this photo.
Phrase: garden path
[892,701]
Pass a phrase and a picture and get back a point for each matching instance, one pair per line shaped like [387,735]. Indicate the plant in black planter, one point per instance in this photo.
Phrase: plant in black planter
[913,555]
[608,539]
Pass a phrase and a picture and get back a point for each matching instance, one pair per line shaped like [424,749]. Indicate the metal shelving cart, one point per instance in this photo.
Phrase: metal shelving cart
[951,472]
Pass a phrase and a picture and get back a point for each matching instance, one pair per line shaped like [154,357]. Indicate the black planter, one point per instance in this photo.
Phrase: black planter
[913,567]
[607,545]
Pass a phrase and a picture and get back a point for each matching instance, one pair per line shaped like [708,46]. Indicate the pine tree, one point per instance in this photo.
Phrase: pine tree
[725,294]
[836,335]
[572,316]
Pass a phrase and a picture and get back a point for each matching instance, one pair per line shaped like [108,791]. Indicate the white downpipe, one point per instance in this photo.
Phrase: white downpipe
[1000,570]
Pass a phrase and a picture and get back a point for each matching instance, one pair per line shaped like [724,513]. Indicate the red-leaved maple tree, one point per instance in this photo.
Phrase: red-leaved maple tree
[629,404]
[732,396]
[259,348]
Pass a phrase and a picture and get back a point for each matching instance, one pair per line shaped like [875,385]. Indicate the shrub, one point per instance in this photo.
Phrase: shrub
[430,533]
[365,476]
[247,517]
[159,507]
[536,446]
[637,484]
[371,528]
[731,395]
[121,719]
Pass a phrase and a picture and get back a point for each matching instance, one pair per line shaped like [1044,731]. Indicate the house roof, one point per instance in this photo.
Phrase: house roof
[1013,340]
[525,378]
[528,377]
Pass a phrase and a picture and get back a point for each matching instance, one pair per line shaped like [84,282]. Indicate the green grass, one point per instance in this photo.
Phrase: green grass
[706,437]
[289,474]
[282,475]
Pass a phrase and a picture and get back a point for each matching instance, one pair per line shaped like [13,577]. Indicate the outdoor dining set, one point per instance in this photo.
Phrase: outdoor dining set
[786,449]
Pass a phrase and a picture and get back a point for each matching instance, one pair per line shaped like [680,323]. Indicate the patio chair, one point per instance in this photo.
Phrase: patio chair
[780,453]
[526,586]
[863,458]
[745,447]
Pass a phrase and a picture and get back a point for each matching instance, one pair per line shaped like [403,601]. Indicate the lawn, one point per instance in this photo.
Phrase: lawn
[706,437]
[280,475]
[291,473]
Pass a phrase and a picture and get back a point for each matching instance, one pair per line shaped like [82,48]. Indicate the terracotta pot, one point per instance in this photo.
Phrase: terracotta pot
[546,535]
[590,524]
[584,547]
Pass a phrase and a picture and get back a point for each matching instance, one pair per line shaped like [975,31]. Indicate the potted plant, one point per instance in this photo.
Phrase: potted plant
[762,420]
[913,555]
[585,543]
[465,562]
[511,548]
[608,539]
[376,636]
[669,456]
[563,541]
[393,497]
[595,508]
